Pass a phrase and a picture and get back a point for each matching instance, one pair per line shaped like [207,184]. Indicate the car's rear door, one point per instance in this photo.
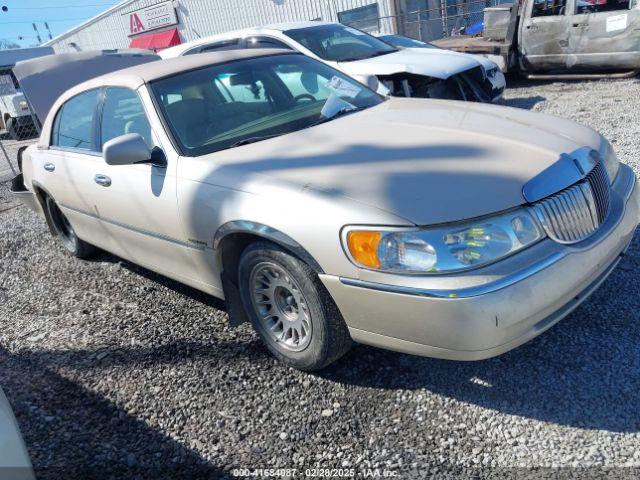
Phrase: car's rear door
[64,169]
[605,34]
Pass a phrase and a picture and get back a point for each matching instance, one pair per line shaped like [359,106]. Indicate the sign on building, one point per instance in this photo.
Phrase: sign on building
[151,18]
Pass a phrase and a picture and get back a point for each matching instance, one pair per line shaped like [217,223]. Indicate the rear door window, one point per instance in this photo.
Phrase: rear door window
[74,126]
[596,6]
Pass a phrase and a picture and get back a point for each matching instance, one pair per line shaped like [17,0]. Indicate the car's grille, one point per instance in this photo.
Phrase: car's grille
[578,211]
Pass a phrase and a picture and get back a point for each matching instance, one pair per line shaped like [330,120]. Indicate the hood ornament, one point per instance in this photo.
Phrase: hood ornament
[568,170]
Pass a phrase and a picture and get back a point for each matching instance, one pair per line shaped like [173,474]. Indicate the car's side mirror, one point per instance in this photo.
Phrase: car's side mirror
[126,150]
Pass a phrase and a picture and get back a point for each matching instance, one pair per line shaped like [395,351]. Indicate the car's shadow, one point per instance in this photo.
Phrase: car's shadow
[527,103]
[76,433]
[584,372]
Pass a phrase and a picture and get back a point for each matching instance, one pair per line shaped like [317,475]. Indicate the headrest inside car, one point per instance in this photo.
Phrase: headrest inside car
[242,78]
[310,82]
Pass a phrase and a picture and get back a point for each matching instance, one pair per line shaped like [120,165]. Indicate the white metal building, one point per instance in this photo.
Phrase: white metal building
[158,24]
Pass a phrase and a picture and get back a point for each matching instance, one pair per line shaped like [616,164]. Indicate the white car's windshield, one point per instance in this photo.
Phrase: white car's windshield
[406,42]
[337,43]
[228,105]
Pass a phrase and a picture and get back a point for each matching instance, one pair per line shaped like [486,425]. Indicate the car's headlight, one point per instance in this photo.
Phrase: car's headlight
[441,250]
[610,159]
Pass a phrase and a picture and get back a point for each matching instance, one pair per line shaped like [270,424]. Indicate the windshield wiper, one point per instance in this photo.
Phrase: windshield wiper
[247,141]
[366,57]
[379,54]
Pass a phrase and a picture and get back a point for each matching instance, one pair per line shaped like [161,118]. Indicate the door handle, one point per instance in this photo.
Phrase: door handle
[49,167]
[580,25]
[533,28]
[102,180]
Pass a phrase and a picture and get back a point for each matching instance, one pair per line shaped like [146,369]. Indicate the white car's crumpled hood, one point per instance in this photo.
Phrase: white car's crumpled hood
[434,63]
[427,161]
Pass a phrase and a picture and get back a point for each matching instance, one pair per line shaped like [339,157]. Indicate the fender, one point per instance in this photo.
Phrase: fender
[268,233]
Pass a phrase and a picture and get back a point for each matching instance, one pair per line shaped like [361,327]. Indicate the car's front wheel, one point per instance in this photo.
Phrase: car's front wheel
[290,308]
[65,232]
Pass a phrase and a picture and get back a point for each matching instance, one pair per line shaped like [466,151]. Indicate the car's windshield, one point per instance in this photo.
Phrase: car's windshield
[338,43]
[222,106]
[405,42]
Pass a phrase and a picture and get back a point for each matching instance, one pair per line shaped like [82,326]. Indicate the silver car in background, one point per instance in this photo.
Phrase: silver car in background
[324,213]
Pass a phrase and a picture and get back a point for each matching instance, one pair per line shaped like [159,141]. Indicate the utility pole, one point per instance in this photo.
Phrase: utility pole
[37,33]
[48,30]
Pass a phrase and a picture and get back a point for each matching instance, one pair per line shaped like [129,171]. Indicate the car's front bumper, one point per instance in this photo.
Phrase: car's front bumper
[486,313]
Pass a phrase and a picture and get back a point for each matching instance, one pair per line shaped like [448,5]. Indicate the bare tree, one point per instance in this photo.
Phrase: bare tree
[7,44]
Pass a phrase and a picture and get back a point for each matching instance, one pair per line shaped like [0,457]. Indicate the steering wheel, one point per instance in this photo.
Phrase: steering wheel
[303,96]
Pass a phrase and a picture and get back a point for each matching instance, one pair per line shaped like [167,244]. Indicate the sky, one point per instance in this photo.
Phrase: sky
[61,15]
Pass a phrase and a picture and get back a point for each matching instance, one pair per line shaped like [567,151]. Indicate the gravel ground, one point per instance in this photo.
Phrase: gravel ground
[9,153]
[115,372]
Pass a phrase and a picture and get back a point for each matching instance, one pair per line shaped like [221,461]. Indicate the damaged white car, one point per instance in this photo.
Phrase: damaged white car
[402,72]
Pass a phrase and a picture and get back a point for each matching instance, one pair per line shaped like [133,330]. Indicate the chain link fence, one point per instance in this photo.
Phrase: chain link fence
[429,20]
[447,19]
[16,131]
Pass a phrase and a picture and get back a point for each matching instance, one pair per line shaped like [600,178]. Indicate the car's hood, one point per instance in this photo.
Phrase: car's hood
[428,161]
[431,62]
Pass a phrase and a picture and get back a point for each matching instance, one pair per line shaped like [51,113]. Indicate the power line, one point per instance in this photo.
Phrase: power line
[50,21]
[63,6]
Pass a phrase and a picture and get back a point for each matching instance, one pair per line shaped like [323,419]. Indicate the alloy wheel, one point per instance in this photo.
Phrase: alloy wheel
[282,310]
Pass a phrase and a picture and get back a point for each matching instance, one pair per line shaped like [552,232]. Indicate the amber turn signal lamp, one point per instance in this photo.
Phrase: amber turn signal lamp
[363,247]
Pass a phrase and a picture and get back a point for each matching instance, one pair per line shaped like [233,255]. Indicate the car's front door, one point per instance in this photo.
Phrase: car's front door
[605,34]
[137,204]
[544,35]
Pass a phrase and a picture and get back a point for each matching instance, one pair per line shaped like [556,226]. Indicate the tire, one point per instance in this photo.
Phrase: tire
[282,295]
[65,232]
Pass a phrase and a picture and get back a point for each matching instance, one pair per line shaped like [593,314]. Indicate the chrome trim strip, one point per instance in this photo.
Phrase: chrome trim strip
[82,151]
[572,215]
[137,230]
[470,292]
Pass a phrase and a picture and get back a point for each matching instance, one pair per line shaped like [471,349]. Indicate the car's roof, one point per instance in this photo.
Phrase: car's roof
[134,77]
[265,29]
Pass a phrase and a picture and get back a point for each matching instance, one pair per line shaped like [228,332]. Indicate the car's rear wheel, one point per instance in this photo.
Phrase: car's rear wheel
[290,308]
[65,232]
